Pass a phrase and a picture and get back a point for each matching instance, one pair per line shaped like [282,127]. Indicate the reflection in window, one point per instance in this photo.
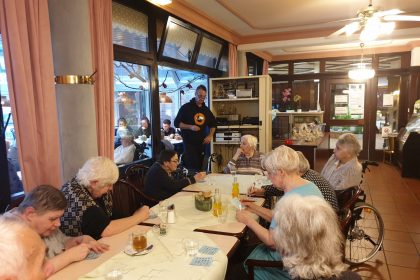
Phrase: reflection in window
[306,67]
[209,53]
[347,101]
[180,42]
[345,64]
[129,28]
[177,87]
[336,131]
[389,62]
[131,99]
[15,182]
[388,97]
[278,68]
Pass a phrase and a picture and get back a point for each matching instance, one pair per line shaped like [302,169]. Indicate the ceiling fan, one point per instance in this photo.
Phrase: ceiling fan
[373,23]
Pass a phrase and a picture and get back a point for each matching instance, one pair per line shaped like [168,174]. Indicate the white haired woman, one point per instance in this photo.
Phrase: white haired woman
[282,165]
[246,160]
[125,152]
[89,209]
[343,169]
[306,173]
[309,239]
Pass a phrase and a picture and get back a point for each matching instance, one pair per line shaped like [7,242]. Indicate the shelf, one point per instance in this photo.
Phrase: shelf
[226,143]
[235,99]
[238,126]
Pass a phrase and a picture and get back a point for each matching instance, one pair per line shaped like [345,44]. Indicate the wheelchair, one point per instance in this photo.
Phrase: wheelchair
[364,232]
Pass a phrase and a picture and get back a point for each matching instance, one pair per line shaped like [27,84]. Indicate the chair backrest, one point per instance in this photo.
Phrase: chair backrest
[135,175]
[126,199]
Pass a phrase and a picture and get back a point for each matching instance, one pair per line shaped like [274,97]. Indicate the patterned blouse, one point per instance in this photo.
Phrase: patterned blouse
[344,176]
[244,165]
[79,200]
[311,175]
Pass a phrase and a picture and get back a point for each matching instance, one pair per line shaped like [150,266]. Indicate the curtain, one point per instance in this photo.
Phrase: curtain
[233,61]
[265,67]
[25,28]
[102,57]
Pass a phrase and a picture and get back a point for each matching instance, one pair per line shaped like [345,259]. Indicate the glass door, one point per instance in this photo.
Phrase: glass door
[347,110]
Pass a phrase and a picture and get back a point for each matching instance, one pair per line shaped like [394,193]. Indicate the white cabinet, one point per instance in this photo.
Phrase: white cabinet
[242,105]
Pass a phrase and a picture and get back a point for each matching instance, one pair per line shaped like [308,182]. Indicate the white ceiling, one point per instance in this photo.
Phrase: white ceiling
[290,27]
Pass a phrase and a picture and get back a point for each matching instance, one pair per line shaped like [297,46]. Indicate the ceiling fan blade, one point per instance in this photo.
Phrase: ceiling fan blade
[401,18]
[338,32]
[387,13]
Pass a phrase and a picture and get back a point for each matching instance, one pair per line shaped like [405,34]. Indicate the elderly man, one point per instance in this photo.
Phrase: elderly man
[22,252]
[42,209]
[198,125]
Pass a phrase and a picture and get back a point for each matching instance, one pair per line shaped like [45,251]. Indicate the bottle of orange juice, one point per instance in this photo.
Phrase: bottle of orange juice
[235,186]
[217,203]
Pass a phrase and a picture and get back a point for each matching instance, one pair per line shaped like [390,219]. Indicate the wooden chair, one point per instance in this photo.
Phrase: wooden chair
[126,199]
[135,175]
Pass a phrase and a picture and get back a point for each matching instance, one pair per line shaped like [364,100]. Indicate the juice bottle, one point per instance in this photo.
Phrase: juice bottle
[217,203]
[235,186]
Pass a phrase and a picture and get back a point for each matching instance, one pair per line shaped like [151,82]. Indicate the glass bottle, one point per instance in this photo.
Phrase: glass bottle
[235,186]
[217,202]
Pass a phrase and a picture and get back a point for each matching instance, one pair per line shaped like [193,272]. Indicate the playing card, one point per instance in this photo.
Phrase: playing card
[202,261]
[208,250]
[92,255]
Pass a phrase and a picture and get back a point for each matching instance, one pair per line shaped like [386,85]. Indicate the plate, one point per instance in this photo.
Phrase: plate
[131,252]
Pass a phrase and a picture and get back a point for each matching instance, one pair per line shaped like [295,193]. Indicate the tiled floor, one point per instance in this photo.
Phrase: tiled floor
[398,201]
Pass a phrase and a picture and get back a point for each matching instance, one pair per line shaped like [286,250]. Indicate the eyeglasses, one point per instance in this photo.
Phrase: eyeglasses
[174,160]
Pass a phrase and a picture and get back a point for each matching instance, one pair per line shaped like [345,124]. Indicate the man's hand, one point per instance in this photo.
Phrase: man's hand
[194,128]
[208,139]
[199,176]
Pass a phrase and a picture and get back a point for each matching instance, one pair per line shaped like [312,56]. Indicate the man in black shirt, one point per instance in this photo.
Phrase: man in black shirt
[198,125]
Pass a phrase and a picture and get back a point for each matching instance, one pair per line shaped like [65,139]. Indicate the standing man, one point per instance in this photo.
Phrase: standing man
[197,124]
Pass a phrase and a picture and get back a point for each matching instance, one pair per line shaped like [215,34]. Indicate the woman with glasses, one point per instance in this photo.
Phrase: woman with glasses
[159,182]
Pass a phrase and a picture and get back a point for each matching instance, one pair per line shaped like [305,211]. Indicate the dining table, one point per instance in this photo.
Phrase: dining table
[167,258]
[190,218]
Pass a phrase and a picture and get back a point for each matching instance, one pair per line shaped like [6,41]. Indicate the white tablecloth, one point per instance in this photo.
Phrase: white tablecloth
[167,260]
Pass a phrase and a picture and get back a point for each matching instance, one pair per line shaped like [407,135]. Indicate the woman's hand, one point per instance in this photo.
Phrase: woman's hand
[98,247]
[243,216]
[239,151]
[253,191]
[200,176]
[79,252]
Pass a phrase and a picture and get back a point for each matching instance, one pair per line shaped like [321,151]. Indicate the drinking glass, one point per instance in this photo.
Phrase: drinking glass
[163,211]
[138,241]
[223,212]
[191,247]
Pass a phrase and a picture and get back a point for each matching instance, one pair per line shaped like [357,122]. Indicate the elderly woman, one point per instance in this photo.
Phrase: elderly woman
[282,165]
[343,169]
[309,240]
[125,152]
[306,173]
[89,209]
[159,182]
[247,160]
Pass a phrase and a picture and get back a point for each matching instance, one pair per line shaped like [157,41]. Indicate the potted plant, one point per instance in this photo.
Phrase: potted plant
[285,101]
[297,98]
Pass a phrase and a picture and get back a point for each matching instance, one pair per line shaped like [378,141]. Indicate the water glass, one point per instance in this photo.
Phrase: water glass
[191,247]
[223,212]
[163,211]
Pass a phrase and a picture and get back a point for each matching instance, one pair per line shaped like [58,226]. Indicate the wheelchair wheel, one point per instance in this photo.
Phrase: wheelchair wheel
[365,235]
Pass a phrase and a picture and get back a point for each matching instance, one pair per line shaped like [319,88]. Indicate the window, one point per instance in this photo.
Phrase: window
[209,53]
[129,28]
[132,99]
[180,41]
[347,101]
[389,62]
[177,87]
[8,131]
[278,68]
[306,67]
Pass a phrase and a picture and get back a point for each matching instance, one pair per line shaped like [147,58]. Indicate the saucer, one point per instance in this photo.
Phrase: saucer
[131,252]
